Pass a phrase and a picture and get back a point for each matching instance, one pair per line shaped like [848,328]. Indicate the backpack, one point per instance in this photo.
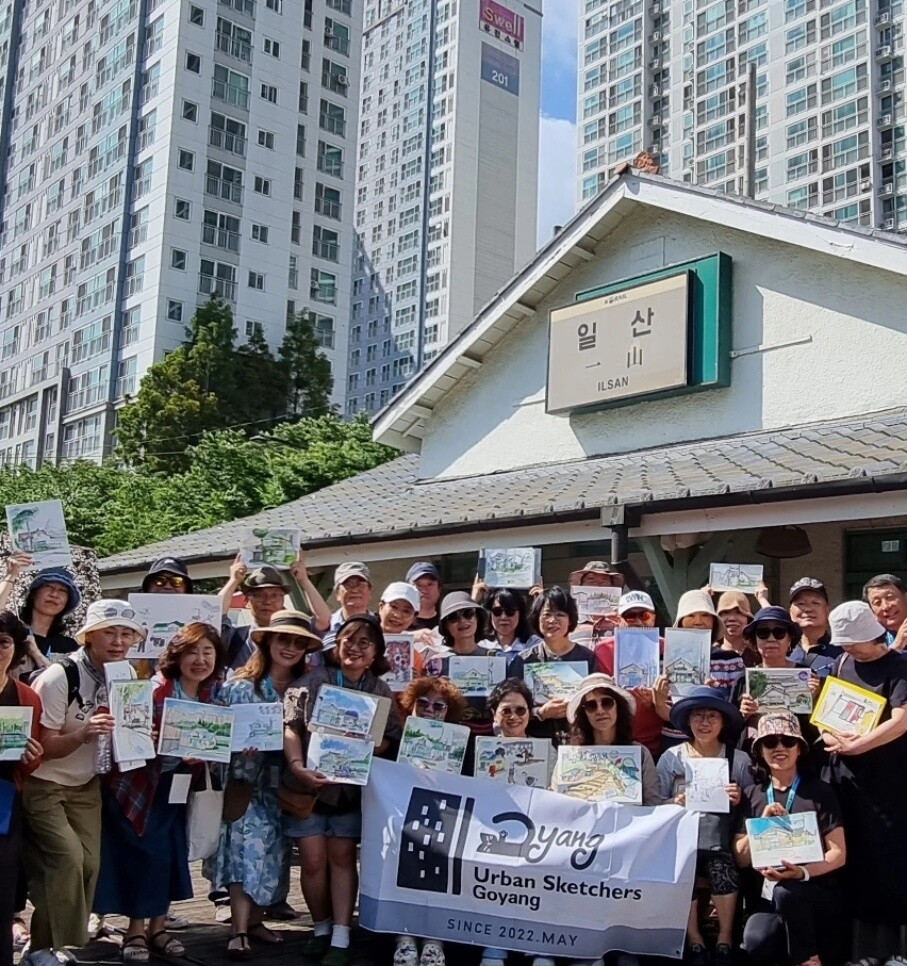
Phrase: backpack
[71,669]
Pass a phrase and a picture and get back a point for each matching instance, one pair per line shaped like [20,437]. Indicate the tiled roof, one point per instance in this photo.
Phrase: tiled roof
[391,502]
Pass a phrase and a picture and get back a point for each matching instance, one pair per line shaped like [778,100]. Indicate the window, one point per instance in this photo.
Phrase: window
[275,5]
[336,36]
[227,134]
[194,63]
[266,139]
[332,118]
[178,259]
[269,93]
[186,159]
[220,230]
[324,286]
[257,281]
[327,201]
[190,111]
[196,15]
[174,310]
[262,186]
[260,233]
[272,47]
[330,159]
[224,182]
[231,87]
[182,209]
[326,243]
[333,77]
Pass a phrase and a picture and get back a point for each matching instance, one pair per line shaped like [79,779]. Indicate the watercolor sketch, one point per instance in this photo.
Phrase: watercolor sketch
[780,687]
[343,711]
[517,761]
[847,709]
[164,615]
[793,838]
[686,657]
[190,729]
[15,730]
[476,676]
[435,745]
[600,773]
[276,547]
[518,567]
[344,760]
[706,779]
[636,656]
[730,576]
[131,708]
[39,529]
[593,603]
[399,654]
[258,726]
[554,679]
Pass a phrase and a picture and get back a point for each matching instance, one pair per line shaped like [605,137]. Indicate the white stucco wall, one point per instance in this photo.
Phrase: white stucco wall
[853,364]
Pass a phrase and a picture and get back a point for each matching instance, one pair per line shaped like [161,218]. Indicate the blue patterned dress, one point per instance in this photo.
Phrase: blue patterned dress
[252,850]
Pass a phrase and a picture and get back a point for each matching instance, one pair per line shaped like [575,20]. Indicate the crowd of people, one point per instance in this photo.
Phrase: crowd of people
[75,828]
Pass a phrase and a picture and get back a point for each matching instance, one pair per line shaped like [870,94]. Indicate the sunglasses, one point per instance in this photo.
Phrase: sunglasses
[466,614]
[778,633]
[593,704]
[506,709]
[436,706]
[500,611]
[636,615]
[168,580]
[786,741]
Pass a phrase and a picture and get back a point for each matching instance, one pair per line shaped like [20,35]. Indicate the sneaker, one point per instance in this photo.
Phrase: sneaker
[222,913]
[406,952]
[432,954]
[175,923]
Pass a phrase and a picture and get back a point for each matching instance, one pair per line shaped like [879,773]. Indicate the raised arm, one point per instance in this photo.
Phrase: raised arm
[320,610]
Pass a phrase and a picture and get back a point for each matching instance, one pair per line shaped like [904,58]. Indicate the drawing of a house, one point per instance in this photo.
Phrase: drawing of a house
[161,633]
[683,671]
[474,680]
[849,710]
[634,676]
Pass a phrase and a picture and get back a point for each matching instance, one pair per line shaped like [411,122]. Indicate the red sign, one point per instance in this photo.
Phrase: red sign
[502,23]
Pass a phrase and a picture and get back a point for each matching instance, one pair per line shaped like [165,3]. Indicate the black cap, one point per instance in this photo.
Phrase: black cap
[264,576]
[807,583]
[168,565]
[375,626]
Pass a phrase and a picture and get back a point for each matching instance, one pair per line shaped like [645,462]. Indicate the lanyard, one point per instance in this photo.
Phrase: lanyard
[790,795]
[341,681]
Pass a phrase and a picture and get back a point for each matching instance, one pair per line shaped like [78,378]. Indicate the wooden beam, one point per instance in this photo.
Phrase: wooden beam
[470,361]
[582,253]
[683,570]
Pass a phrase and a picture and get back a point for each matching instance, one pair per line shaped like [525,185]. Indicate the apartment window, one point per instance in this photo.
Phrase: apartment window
[194,63]
[332,118]
[275,5]
[178,259]
[327,201]
[801,100]
[174,310]
[269,93]
[231,87]
[323,286]
[186,159]
[341,6]
[326,243]
[300,140]
[336,36]
[220,230]
[266,139]
[303,102]
[257,281]
[330,159]
[190,111]
[298,183]
[272,47]
[224,182]
[262,186]
[217,278]
[196,15]
[334,77]
[234,40]
[227,134]
[260,233]
[182,209]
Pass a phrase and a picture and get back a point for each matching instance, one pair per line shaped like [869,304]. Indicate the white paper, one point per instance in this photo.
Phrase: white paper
[476,676]
[792,838]
[593,603]
[131,708]
[192,729]
[600,773]
[730,576]
[517,761]
[432,744]
[636,657]
[258,726]
[346,761]
[276,547]
[343,711]
[164,615]
[179,788]
[39,529]
[554,679]
[399,654]
[686,657]
[15,730]
[706,779]
[518,567]
[780,687]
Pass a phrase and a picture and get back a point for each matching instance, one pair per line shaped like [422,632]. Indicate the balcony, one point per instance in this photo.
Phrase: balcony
[227,141]
[240,49]
[209,285]
[236,96]
[227,190]
[220,238]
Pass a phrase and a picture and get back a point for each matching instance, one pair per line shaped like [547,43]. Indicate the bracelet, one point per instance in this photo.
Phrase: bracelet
[805,874]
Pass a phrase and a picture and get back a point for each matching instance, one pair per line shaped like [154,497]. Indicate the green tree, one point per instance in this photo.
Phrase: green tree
[307,373]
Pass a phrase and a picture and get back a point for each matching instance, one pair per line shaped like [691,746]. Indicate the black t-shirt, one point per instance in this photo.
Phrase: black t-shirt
[422,623]
[55,644]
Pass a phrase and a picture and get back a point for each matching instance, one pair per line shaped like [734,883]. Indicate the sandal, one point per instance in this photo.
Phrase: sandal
[135,950]
[264,935]
[20,934]
[406,952]
[238,947]
[168,946]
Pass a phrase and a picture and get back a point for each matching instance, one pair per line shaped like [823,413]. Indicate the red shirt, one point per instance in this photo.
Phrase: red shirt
[646,724]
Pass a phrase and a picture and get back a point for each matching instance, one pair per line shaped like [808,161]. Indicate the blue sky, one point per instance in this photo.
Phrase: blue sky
[557,128]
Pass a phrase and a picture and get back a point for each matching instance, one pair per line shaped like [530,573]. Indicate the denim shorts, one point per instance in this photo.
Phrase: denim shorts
[340,825]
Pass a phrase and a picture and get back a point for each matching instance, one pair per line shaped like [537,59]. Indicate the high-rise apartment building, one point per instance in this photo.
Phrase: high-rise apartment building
[153,153]
[828,117]
[447,179]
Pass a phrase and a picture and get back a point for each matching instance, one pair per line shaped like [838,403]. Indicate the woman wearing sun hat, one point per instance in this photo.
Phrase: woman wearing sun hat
[62,798]
[800,911]
[252,856]
[712,725]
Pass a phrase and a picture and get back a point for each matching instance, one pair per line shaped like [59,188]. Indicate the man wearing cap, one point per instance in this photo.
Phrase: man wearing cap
[61,799]
[353,590]
[809,608]
[869,772]
[426,578]
[168,575]
[653,705]
[886,594]
[596,573]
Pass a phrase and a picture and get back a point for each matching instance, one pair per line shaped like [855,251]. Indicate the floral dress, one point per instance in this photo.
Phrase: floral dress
[252,850]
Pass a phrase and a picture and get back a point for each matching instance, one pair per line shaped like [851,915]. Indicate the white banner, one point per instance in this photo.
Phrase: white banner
[472,860]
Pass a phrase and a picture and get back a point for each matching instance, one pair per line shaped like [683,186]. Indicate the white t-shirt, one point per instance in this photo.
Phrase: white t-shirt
[78,767]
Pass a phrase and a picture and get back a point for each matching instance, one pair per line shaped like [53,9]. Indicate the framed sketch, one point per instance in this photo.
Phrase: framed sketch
[164,615]
[554,679]
[594,603]
[476,676]
[276,547]
[435,745]
[636,657]
[847,709]
[730,576]
[784,838]
[39,529]
[399,654]
[600,773]
[15,730]
[786,688]
[517,567]
[346,761]
[686,657]
[517,761]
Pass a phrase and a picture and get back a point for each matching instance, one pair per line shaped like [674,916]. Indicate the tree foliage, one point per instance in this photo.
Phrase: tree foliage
[110,508]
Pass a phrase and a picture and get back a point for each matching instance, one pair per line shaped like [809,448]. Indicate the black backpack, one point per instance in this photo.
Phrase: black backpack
[71,669]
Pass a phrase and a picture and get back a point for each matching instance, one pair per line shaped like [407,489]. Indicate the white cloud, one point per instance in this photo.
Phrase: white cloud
[557,175]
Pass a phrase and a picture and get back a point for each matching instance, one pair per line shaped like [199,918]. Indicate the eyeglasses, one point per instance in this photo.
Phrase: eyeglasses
[168,580]
[358,647]
[705,716]
[778,633]
[506,709]
[606,704]
[786,741]
[437,707]
[499,611]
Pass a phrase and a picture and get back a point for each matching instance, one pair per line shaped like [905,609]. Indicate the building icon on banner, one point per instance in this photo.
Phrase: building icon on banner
[432,841]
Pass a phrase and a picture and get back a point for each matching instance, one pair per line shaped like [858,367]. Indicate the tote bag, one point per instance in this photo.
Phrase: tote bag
[203,819]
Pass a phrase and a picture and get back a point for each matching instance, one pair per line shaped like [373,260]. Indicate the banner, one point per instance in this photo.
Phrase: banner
[471,860]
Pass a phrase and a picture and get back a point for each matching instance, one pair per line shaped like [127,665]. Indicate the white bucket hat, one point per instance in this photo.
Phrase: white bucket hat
[109,613]
[699,602]
[853,622]
[400,590]
[592,682]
